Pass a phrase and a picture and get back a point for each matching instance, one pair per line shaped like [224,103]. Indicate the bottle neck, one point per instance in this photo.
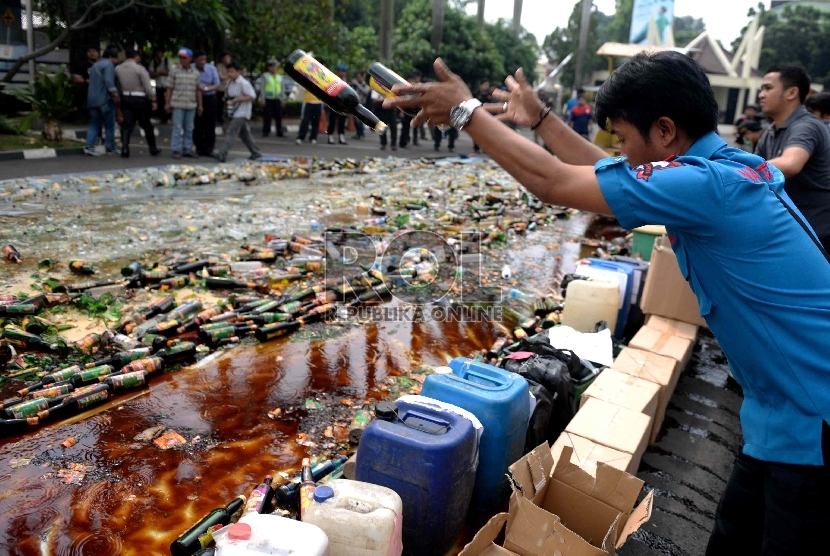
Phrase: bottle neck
[367,117]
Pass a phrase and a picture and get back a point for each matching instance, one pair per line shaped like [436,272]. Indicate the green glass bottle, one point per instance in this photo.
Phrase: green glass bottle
[200,535]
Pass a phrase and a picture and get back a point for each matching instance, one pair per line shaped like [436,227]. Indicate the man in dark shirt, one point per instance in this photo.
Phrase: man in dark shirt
[80,76]
[798,144]
[750,115]
[819,105]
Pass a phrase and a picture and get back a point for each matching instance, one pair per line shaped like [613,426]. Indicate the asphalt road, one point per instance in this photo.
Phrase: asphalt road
[274,146]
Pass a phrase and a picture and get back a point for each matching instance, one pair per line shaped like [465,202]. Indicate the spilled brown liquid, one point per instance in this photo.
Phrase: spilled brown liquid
[138,498]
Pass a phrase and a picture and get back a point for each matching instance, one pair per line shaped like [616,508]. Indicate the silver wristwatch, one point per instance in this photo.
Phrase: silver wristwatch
[460,115]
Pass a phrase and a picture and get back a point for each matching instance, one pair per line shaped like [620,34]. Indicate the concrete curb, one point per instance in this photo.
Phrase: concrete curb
[39,154]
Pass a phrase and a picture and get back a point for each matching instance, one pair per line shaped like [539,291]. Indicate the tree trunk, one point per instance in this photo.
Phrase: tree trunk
[438,10]
[387,21]
[584,29]
[517,16]
[480,15]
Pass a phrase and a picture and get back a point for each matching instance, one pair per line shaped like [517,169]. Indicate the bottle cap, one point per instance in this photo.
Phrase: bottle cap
[323,493]
[387,411]
[239,532]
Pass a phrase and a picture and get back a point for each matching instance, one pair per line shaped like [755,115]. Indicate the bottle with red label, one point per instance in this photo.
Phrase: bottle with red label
[330,89]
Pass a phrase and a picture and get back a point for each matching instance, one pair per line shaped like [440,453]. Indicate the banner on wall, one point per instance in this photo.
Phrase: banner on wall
[651,22]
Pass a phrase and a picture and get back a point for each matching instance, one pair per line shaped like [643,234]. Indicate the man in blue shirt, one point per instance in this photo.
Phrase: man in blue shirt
[204,129]
[101,99]
[580,118]
[760,276]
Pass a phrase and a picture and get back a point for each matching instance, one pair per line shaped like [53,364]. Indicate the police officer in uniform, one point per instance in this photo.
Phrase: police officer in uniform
[138,101]
[269,97]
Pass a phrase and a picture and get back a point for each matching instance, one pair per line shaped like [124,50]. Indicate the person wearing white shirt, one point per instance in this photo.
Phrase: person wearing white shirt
[239,95]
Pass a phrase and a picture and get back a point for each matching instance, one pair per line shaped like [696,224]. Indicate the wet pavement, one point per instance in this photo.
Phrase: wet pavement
[112,493]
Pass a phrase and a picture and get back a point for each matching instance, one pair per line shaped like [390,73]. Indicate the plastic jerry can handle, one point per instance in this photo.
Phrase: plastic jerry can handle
[425,423]
[493,380]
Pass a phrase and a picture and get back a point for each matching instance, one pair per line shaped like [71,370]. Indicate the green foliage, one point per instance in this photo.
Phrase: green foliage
[686,29]
[517,52]
[9,127]
[563,41]
[52,98]
[469,52]
[798,36]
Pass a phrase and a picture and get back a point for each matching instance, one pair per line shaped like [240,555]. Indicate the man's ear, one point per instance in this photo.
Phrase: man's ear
[792,93]
[667,130]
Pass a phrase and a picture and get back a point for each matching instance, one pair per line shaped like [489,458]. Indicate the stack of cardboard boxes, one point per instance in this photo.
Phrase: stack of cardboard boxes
[577,498]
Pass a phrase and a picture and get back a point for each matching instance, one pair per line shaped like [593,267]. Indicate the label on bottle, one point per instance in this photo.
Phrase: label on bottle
[319,75]
[65,374]
[380,88]
[93,399]
[53,392]
[26,409]
[150,364]
[252,506]
[129,380]
[95,372]
[207,538]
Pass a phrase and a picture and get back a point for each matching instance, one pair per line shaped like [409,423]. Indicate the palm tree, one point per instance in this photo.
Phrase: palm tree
[438,9]
[481,13]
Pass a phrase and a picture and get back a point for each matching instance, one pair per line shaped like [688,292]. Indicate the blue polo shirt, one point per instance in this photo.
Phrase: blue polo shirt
[762,285]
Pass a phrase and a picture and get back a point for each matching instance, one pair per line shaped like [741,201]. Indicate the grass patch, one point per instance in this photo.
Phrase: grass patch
[20,142]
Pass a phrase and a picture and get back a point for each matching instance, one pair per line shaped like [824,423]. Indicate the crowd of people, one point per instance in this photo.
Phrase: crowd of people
[194,95]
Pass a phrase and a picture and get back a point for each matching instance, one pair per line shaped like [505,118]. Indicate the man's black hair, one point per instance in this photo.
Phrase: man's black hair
[198,53]
[110,53]
[234,65]
[793,76]
[651,86]
[483,80]
[820,102]
[130,53]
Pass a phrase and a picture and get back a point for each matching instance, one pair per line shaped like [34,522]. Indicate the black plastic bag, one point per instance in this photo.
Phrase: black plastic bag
[549,367]
[537,429]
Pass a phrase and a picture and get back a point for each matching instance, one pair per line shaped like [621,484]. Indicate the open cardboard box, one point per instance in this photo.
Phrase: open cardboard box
[666,292]
[564,510]
[655,368]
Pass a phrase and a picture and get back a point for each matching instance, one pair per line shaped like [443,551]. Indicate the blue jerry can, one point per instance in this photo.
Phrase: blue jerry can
[428,455]
[501,402]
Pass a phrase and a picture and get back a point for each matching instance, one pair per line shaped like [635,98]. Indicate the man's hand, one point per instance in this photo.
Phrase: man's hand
[199,110]
[154,106]
[523,106]
[261,102]
[167,107]
[435,99]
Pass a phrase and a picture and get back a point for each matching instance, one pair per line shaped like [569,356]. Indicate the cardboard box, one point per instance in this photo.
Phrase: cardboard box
[613,426]
[568,511]
[676,327]
[654,368]
[625,391]
[483,545]
[664,343]
[587,454]
[666,292]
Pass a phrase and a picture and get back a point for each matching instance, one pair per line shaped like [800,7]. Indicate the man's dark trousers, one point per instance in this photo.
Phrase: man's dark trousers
[204,129]
[774,509]
[136,110]
[273,111]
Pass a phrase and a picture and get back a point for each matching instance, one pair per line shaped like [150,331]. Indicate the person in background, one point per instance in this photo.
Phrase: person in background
[363,93]
[798,144]
[819,106]
[483,94]
[581,117]
[387,116]
[102,100]
[184,99]
[222,70]
[573,101]
[138,101]
[438,135]
[335,119]
[204,132]
[269,97]
[406,120]
[750,114]
[750,133]
[241,96]
[159,70]
[80,77]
